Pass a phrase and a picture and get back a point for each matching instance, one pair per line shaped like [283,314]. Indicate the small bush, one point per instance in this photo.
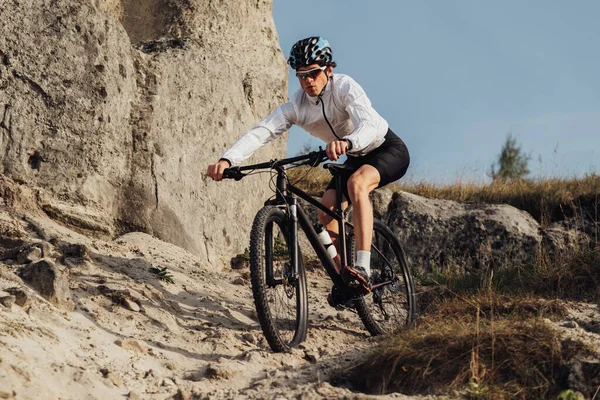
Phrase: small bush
[463,348]
[163,274]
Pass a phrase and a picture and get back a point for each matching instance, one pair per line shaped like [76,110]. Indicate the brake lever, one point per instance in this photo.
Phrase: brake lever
[318,157]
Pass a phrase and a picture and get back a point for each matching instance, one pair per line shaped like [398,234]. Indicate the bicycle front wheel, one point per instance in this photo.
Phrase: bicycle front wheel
[279,294]
[391,305]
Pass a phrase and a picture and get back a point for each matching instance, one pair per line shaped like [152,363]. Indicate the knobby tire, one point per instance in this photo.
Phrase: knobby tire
[268,258]
[398,301]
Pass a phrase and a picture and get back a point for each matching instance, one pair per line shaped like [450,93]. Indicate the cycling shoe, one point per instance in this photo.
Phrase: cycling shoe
[357,279]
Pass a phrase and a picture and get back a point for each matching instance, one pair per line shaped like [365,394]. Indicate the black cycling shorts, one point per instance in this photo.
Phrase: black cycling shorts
[391,160]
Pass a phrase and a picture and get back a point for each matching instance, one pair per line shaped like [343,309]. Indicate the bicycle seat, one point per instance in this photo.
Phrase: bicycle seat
[339,168]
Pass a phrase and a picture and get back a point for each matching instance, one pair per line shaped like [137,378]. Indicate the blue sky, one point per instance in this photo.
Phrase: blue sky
[453,78]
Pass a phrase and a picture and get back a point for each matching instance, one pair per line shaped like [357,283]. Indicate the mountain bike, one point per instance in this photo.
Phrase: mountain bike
[277,270]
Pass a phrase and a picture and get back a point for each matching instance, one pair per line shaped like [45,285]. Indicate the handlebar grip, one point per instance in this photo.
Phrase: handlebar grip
[232,173]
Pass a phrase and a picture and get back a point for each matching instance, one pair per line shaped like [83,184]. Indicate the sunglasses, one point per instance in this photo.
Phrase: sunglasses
[311,73]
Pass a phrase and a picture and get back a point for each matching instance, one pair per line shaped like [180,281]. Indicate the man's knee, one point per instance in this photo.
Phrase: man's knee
[357,188]
[363,182]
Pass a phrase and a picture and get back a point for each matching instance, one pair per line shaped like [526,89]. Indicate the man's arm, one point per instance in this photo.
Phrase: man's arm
[266,130]
[273,126]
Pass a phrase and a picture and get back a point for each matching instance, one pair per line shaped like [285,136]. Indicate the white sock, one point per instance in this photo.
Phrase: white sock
[363,259]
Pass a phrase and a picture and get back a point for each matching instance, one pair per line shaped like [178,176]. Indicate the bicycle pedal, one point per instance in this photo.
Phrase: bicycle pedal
[359,287]
[340,301]
[355,284]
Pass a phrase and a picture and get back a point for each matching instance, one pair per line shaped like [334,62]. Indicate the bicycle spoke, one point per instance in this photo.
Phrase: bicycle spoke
[391,304]
[280,297]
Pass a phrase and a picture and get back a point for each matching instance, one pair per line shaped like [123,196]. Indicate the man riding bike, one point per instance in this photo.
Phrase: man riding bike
[334,108]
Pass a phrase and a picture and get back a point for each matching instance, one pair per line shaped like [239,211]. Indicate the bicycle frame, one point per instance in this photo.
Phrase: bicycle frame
[285,196]
[379,313]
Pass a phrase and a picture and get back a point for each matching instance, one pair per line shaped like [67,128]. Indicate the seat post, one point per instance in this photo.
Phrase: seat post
[339,198]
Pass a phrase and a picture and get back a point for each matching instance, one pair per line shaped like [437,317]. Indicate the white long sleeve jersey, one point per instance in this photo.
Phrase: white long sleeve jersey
[347,107]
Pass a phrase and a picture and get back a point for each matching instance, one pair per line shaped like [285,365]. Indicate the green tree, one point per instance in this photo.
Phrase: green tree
[512,163]
[307,147]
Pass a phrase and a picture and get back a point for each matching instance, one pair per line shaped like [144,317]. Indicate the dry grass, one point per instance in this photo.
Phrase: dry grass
[480,347]
[311,180]
[484,336]
[492,305]
[574,274]
[547,200]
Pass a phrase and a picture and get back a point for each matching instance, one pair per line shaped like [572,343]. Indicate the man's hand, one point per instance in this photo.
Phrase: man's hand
[215,171]
[335,149]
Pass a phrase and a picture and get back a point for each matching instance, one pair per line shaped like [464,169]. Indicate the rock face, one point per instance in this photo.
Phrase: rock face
[66,84]
[111,111]
[444,234]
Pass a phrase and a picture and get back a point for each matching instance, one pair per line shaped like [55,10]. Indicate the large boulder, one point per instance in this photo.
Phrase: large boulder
[465,237]
[110,111]
[50,281]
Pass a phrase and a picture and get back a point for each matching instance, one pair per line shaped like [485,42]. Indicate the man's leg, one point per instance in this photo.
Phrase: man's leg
[331,224]
[360,184]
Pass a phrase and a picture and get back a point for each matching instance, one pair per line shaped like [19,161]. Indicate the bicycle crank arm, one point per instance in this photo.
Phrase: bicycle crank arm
[381,284]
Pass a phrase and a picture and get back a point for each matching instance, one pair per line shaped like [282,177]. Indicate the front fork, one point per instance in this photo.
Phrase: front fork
[342,224]
[293,204]
[289,273]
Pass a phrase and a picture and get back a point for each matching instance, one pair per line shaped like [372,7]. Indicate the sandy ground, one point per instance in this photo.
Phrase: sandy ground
[134,336]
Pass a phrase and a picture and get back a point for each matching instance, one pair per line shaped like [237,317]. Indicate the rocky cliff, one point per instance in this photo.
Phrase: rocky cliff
[110,112]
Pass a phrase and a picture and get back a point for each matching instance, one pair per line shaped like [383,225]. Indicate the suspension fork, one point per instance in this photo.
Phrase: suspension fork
[342,222]
[293,204]
[283,197]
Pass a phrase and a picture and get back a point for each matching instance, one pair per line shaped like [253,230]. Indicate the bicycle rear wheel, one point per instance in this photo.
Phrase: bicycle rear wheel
[280,298]
[392,304]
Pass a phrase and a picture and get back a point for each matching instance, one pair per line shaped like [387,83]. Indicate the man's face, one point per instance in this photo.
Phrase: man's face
[313,78]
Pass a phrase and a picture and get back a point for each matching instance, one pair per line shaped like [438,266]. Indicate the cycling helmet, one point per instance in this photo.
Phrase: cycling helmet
[312,50]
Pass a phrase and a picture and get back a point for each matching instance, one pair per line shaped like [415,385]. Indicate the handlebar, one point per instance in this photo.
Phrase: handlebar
[313,158]
[233,173]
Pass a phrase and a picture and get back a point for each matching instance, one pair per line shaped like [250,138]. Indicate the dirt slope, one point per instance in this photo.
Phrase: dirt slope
[132,335]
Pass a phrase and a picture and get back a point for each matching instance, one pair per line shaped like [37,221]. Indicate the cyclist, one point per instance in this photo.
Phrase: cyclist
[334,108]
